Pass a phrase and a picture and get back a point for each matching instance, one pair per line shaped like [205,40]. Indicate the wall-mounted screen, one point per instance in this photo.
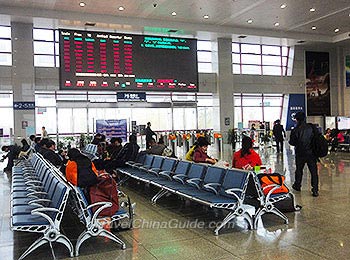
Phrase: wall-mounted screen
[112,61]
[343,122]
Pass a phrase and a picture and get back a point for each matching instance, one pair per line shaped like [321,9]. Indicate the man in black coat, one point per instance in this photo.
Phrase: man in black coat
[149,135]
[279,134]
[12,153]
[301,137]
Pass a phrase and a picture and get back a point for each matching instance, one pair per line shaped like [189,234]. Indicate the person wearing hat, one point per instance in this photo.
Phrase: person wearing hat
[301,137]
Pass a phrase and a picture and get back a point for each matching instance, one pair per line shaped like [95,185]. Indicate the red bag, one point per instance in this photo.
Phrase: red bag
[273,178]
[105,191]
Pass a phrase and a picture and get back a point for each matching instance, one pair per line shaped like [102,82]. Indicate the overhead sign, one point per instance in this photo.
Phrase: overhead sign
[296,104]
[131,96]
[23,105]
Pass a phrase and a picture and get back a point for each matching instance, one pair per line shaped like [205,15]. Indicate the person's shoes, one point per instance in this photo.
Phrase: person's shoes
[296,188]
[315,194]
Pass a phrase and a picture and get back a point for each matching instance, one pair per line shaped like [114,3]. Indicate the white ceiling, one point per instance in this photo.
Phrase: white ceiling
[227,18]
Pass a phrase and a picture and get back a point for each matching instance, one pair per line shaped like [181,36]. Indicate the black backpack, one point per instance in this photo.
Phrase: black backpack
[319,143]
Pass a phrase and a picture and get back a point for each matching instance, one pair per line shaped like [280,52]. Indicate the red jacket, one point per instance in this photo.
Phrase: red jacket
[199,156]
[253,159]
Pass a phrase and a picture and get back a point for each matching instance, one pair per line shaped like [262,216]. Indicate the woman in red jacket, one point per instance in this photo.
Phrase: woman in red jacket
[246,158]
[200,154]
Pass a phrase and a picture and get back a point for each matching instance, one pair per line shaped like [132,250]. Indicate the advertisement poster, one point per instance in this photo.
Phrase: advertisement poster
[296,104]
[347,70]
[317,83]
[112,128]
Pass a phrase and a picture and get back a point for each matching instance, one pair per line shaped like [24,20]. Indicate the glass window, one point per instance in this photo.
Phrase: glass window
[285,51]
[273,100]
[272,50]
[158,98]
[237,116]
[183,97]
[204,45]
[205,117]
[204,56]
[237,100]
[251,114]
[205,101]
[46,116]
[250,69]
[102,97]
[271,60]
[6,122]
[5,59]
[57,48]
[236,58]
[250,48]
[284,61]
[5,32]
[44,48]
[159,118]
[236,69]
[272,70]
[43,34]
[5,45]
[235,47]
[79,120]
[271,114]
[6,99]
[251,59]
[44,61]
[205,67]
[65,120]
[252,100]
[45,100]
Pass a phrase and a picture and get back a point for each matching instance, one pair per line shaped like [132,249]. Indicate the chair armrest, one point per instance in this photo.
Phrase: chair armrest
[193,182]
[40,212]
[36,193]
[232,192]
[156,170]
[33,182]
[34,188]
[177,178]
[165,174]
[209,186]
[37,201]
[103,205]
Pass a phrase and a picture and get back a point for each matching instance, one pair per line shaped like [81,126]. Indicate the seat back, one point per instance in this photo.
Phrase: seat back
[214,175]
[157,162]
[234,178]
[148,161]
[140,158]
[168,164]
[182,167]
[196,171]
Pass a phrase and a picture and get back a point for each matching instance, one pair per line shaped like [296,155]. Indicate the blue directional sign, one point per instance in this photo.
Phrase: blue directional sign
[23,105]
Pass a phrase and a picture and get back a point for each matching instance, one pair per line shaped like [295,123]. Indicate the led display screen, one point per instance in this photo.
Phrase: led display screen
[112,61]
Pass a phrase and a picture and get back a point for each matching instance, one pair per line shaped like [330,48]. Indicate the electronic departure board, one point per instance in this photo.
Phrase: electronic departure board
[112,61]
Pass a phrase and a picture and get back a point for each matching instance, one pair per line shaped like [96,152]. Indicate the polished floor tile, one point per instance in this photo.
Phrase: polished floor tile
[179,229]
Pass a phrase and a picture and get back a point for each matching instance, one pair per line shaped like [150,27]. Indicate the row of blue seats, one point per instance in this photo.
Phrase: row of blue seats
[209,185]
[39,197]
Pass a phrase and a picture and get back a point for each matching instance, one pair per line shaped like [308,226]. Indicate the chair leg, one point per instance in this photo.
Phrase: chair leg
[280,214]
[65,241]
[112,237]
[38,243]
[83,236]
[160,194]
[228,218]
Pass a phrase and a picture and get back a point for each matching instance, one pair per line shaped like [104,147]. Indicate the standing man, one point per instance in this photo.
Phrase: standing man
[43,133]
[301,137]
[149,135]
[279,135]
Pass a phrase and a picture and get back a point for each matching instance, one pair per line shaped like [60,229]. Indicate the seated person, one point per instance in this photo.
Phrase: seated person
[80,171]
[114,147]
[50,154]
[200,153]
[156,148]
[127,153]
[25,149]
[338,138]
[246,158]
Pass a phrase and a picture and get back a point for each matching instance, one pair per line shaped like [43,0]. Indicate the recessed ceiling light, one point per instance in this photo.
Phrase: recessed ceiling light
[121,8]
[336,30]
[206,16]
[250,21]
[313,27]
[277,24]
[82,4]
[173,13]
[312,9]
[283,6]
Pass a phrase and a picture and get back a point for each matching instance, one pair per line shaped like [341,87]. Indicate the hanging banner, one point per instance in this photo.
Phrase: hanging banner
[347,70]
[317,83]
[296,104]
[112,128]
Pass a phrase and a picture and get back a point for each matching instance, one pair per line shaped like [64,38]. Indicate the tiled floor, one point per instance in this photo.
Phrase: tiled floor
[168,230]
